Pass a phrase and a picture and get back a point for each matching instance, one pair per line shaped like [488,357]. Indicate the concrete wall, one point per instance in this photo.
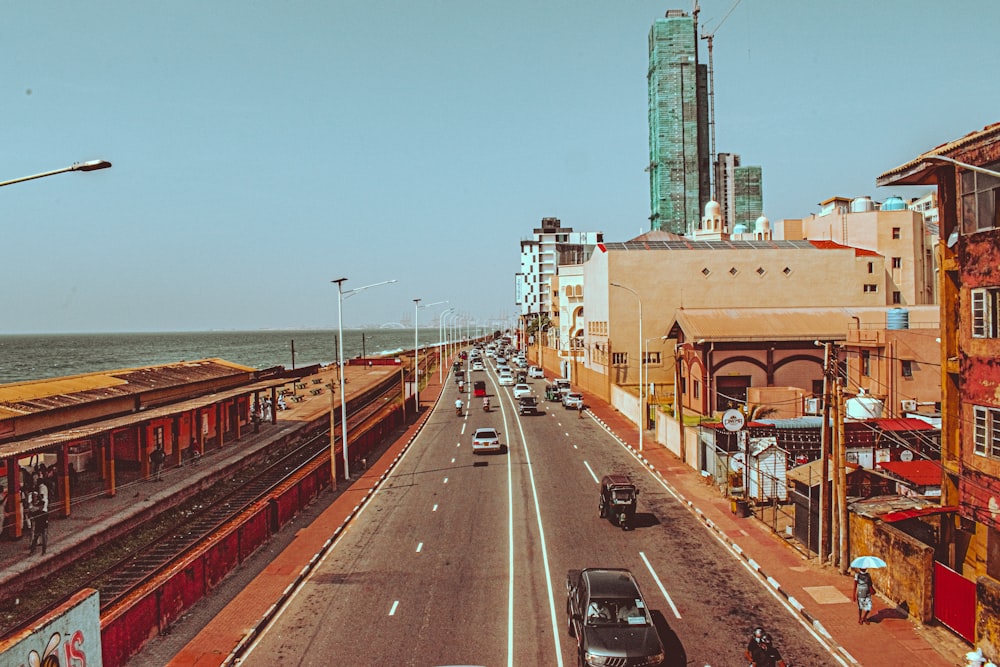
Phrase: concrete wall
[909,578]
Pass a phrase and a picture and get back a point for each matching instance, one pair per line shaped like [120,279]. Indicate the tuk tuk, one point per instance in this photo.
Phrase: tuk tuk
[459,376]
[552,393]
[457,366]
[618,499]
[526,405]
[522,377]
[479,388]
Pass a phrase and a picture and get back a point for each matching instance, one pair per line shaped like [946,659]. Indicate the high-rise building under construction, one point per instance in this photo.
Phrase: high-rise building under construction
[679,170]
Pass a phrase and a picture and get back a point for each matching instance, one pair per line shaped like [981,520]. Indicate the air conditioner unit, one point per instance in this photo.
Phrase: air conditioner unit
[908,405]
[813,406]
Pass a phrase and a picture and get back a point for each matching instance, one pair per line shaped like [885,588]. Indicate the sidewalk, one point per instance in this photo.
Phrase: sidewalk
[821,594]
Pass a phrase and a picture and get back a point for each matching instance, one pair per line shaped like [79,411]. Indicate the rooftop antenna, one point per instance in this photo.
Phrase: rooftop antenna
[708,37]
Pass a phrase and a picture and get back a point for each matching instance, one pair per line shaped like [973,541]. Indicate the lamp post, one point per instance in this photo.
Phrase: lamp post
[341,293]
[89,165]
[416,352]
[642,405]
[441,349]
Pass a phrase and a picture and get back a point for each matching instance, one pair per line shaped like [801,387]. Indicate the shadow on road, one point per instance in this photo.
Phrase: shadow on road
[676,655]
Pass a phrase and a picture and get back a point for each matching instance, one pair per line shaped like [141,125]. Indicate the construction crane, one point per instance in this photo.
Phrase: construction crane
[708,37]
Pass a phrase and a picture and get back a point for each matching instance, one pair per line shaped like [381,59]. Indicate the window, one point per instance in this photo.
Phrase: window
[986,431]
[897,297]
[653,358]
[871,267]
[157,436]
[906,368]
[980,195]
[985,308]
[869,287]
[897,262]
[619,358]
[697,389]
[897,232]
[866,363]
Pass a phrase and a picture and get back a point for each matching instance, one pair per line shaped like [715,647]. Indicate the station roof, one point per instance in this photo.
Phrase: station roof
[40,443]
[25,398]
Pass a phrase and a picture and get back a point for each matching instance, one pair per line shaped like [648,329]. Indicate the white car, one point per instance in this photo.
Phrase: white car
[573,401]
[486,440]
[536,372]
[506,379]
[521,390]
[478,366]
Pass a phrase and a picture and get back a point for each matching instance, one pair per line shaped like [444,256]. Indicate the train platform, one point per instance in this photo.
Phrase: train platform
[94,515]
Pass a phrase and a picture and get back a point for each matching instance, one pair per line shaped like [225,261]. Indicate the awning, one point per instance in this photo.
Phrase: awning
[911,514]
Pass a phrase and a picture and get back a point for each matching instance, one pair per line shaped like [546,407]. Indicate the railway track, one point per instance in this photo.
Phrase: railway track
[159,543]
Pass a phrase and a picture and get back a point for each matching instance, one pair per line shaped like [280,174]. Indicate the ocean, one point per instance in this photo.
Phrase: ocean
[37,357]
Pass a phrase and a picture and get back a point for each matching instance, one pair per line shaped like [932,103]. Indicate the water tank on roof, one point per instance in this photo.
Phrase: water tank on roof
[862,204]
[894,204]
[897,318]
[864,406]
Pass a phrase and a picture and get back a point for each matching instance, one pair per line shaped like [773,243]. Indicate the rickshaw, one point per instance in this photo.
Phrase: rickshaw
[618,499]
[479,389]
[459,376]
[552,393]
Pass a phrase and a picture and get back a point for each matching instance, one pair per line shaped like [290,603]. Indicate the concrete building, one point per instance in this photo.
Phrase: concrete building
[679,170]
[739,192]
[892,230]
[966,173]
[550,246]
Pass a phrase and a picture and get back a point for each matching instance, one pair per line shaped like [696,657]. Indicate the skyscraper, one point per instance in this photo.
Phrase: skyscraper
[738,191]
[679,178]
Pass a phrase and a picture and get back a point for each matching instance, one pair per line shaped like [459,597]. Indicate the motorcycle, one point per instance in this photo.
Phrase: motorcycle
[486,405]
[458,408]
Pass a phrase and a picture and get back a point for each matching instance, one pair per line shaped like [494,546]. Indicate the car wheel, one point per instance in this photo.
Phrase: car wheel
[603,511]
[569,626]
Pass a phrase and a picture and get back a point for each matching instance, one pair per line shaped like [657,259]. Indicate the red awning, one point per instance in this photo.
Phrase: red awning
[910,514]
[902,424]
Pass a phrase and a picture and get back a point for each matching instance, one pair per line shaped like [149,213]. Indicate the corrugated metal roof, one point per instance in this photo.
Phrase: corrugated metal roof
[23,398]
[901,424]
[812,472]
[40,443]
[921,473]
[919,171]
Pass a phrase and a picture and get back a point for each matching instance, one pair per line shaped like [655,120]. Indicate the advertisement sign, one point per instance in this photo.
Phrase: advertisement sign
[69,637]
[733,420]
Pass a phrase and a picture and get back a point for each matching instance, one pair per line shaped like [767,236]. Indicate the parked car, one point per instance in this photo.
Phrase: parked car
[521,390]
[536,372]
[506,379]
[486,440]
[572,401]
[610,620]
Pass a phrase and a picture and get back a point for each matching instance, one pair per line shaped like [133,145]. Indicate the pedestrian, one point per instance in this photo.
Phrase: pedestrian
[579,410]
[864,588]
[766,654]
[754,644]
[268,409]
[39,522]
[157,457]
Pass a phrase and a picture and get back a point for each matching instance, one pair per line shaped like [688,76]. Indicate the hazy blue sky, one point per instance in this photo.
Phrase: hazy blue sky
[262,149]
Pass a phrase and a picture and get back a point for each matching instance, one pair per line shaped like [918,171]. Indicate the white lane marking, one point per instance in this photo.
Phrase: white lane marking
[392,610]
[656,578]
[420,547]
[435,508]
[453,459]
[591,471]
[445,480]
[553,613]
[458,444]
[463,429]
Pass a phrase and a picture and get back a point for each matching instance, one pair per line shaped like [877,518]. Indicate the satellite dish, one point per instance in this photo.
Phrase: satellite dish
[737,461]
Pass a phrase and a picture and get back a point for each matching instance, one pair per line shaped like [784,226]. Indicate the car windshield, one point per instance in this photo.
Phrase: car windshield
[485,434]
[616,612]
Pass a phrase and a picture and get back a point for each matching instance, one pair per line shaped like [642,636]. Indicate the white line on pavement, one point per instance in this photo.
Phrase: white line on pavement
[656,578]
[392,610]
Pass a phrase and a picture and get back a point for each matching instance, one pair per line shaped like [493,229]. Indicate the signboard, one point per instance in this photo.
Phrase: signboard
[733,420]
[70,636]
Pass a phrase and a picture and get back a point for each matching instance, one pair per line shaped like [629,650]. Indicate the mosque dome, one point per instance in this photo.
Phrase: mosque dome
[740,228]
[713,209]
[763,224]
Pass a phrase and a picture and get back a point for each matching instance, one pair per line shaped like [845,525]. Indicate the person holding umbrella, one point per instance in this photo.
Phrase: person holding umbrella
[864,587]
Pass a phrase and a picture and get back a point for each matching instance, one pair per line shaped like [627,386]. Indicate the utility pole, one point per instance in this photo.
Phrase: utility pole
[842,486]
[824,456]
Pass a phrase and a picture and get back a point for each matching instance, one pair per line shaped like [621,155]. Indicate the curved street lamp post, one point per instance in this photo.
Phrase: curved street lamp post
[341,293]
[89,165]
[642,405]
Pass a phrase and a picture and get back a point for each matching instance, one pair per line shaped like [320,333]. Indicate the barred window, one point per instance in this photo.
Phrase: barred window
[985,303]
[619,358]
[986,431]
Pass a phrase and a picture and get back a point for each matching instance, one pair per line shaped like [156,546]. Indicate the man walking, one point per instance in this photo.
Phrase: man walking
[157,457]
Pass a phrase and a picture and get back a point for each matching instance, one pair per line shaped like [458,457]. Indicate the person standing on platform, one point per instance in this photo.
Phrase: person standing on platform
[157,457]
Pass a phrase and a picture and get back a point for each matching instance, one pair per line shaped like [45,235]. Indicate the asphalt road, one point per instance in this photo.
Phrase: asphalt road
[461,559]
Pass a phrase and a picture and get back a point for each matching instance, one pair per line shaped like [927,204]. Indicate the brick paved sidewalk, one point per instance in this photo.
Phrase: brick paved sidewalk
[820,593]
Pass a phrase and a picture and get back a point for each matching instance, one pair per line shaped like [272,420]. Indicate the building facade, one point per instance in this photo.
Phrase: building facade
[679,171]
[966,172]
[550,245]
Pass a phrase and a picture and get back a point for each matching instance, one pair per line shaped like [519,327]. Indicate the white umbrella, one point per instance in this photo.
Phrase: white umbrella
[866,562]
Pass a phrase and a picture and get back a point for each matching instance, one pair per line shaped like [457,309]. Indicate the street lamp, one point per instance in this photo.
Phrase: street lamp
[642,405]
[343,398]
[441,350]
[416,352]
[89,165]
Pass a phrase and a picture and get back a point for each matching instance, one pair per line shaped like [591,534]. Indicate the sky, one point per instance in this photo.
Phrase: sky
[263,149]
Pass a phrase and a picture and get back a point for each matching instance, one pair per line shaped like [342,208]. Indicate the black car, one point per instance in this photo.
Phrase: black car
[609,618]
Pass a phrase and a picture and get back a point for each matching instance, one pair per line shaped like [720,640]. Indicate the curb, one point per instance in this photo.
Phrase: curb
[773,583]
[255,630]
